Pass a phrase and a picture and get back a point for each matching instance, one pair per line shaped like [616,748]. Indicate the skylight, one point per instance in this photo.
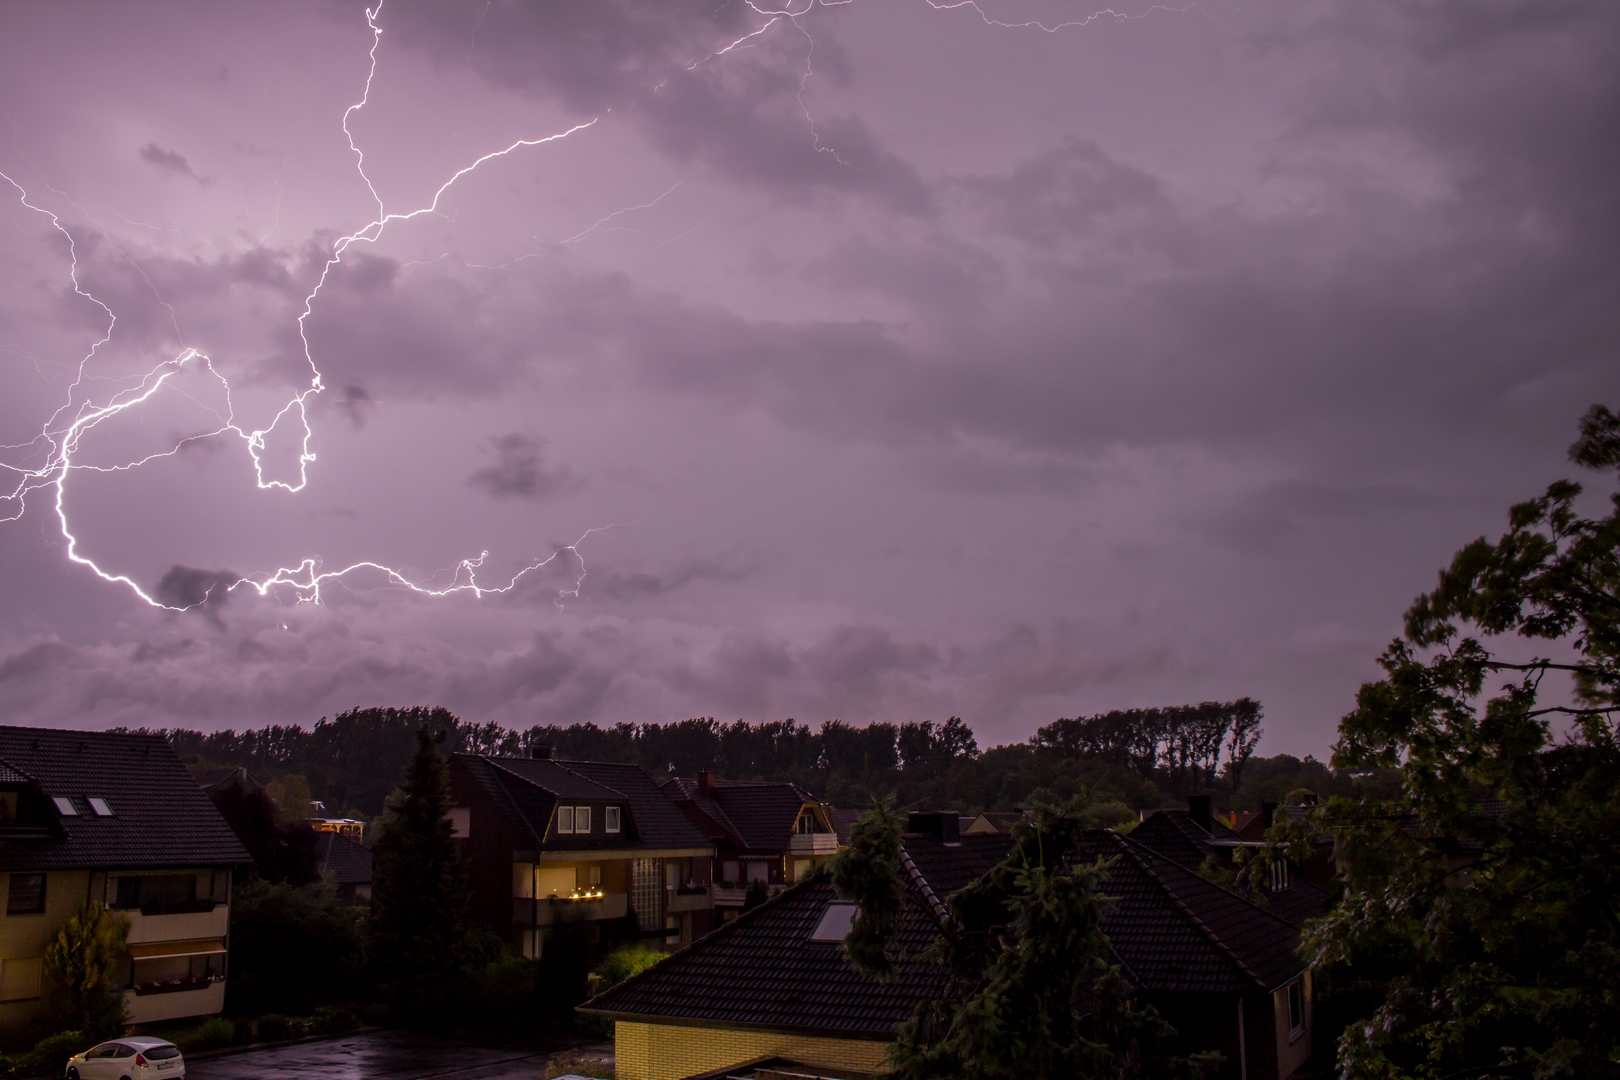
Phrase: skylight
[835,923]
[64,806]
[99,807]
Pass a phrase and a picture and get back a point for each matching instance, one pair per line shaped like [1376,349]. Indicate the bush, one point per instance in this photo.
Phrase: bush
[274,1027]
[292,949]
[1109,815]
[49,1057]
[628,961]
[215,1034]
[330,1021]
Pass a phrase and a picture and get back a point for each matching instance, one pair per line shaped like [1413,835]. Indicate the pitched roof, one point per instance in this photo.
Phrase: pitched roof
[160,817]
[759,815]
[527,789]
[843,820]
[947,867]
[1174,931]
[349,862]
[1176,836]
[761,970]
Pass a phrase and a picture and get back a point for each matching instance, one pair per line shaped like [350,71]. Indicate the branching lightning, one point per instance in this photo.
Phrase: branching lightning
[60,436]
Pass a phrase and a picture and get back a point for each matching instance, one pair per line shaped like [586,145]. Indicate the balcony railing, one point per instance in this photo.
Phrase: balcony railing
[816,843]
[171,986]
[552,909]
[688,898]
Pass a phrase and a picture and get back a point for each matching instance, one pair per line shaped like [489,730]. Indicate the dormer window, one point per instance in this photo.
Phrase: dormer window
[64,806]
[1279,875]
[565,819]
[582,819]
[611,819]
[99,807]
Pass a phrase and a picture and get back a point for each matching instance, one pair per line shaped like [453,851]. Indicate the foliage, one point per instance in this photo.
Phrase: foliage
[82,963]
[1187,740]
[1031,994]
[291,796]
[293,948]
[215,1034]
[756,894]
[868,872]
[47,1058]
[1482,904]
[419,888]
[627,961]
[281,852]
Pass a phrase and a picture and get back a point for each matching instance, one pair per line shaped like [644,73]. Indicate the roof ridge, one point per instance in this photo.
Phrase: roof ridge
[1215,939]
[594,780]
[940,911]
[512,808]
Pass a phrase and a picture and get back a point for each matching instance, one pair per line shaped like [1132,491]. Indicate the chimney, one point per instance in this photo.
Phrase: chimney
[540,751]
[946,825]
[1199,808]
[705,782]
[1268,811]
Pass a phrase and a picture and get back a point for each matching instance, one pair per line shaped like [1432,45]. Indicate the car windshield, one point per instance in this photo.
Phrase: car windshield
[161,1053]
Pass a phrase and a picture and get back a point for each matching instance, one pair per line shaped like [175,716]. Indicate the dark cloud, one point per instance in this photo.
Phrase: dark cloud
[646,586]
[202,591]
[519,471]
[168,161]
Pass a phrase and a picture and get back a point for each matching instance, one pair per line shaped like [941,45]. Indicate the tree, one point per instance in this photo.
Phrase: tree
[82,961]
[1481,905]
[292,948]
[419,888]
[868,872]
[281,852]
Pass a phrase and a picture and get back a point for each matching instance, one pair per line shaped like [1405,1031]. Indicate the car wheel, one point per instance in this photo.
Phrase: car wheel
[73,1074]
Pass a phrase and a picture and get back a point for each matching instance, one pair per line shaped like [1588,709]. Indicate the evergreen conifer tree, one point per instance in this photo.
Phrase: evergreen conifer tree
[419,888]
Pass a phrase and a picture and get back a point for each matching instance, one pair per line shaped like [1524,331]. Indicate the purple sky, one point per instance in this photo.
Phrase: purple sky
[908,364]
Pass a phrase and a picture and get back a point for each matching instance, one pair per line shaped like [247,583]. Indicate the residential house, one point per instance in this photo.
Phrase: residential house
[599,845]
[771,992]
[347,863]
[118,819]
[993,822]
[1196,838]
[772,832]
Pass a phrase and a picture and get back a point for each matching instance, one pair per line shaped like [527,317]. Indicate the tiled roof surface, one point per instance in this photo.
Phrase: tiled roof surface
[528,789]
[659,822]
[11,775]
[1293,905]
[161,816]
[762,970]
[1175,835]
[843,820]
[558,778]
[712,819]
[948,867]
[762,813]
[1175,931]
[522,803]
[349,862]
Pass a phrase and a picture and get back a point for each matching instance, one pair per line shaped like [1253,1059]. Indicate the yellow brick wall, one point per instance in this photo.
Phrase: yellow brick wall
[670,1052]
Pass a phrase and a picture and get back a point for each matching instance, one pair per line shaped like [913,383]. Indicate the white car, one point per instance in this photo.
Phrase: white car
[135,1058]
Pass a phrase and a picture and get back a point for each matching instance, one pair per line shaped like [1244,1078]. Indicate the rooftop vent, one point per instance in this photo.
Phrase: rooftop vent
[705,782]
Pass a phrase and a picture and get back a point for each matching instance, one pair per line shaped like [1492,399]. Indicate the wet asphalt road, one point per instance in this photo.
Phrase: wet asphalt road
[376,1055]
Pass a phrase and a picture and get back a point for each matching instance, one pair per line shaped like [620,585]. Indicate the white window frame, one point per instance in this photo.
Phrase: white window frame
[565,820]
[582,820]
[64,806]
[612,819]
[1297,986]
[1279,875]
[99,807]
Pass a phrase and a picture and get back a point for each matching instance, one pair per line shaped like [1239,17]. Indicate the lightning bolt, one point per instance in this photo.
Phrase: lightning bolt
[60,435]
[62,432]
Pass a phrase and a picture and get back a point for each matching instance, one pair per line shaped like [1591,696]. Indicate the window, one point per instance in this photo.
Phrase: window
[1279,875]
[1296,1007]
[672,873]
[730,872]
[759,871]
[836,922]
[26,895]
[802,868]
[596,876]
[174,892]
[64,806]
[461,821]
[582,819]
[610,819]
[565,819]
[555,881]
[99,807]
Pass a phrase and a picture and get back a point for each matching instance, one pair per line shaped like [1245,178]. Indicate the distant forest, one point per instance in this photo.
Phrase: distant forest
[1143,758]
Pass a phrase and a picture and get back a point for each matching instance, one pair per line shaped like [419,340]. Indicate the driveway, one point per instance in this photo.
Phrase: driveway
[379,1055]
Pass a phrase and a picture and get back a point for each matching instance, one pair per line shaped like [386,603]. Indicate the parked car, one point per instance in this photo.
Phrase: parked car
[136,1058]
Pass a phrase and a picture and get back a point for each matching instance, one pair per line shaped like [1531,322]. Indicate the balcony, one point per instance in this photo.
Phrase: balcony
[815,843]
[178,926]
[690,898]
[729,895]
[202,999]
[552,910]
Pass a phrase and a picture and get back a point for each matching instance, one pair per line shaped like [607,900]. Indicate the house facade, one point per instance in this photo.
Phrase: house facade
[772,992]
[771,832]
[593,846]
[118,819]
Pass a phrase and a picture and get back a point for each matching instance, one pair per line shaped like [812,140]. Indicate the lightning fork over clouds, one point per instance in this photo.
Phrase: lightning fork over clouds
[59,438]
